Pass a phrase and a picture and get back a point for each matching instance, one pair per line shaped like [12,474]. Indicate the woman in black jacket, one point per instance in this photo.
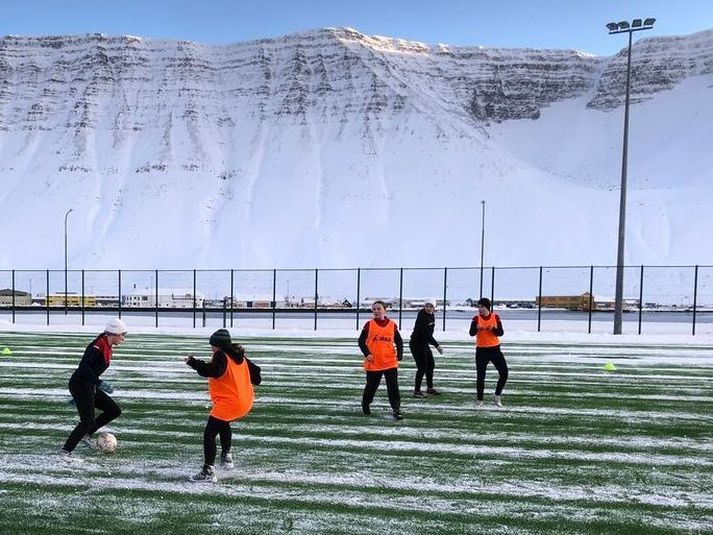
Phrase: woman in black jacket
[89,392]
[420,344]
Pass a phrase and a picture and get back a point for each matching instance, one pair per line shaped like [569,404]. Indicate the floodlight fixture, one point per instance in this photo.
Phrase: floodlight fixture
[613,26]
[636,23]
[623,25]
[649,22]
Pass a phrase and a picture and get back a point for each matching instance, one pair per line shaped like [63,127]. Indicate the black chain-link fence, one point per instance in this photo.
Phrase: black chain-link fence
[535,296]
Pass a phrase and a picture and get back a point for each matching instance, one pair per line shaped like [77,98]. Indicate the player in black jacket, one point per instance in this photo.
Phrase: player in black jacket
[89,392]
[420,344]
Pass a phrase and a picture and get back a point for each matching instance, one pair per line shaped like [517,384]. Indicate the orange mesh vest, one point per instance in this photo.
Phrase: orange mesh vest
[232,393]
[486,338]
[381,347]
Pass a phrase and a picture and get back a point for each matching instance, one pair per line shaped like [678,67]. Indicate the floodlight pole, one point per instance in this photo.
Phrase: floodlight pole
[482,246]
[619,284]
[65,261]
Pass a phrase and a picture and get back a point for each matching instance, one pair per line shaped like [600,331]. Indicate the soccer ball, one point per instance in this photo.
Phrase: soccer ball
[106,442]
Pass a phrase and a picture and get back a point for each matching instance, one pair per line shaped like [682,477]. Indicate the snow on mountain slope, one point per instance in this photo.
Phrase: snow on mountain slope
[334,149]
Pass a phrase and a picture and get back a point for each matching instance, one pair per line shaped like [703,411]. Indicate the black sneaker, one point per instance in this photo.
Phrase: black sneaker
[432,392]
[397,415]
[418,394]
[365,409]
[207,474]
[226,460]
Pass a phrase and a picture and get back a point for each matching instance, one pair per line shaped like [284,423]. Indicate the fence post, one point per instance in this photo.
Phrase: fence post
[316,296]
[194,302]
[119,294]
[641,296]
[492,286]
[539,302]
[83,297]
[13,296]
[47,295]
[358,297]
[445,295]
[274,296]
[695,298]
[231,298]
[591,298]
[401,294]
[156,281]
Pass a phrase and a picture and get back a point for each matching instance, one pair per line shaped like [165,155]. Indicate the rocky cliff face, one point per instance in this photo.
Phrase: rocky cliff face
[657,64]
[124,83]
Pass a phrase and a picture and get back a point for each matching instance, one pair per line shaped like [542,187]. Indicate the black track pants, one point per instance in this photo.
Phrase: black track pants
[483,356]
[392,387]
[213,428]
[89,398]
[425,363]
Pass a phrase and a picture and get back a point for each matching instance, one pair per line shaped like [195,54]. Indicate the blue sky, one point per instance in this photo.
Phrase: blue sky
[508,23]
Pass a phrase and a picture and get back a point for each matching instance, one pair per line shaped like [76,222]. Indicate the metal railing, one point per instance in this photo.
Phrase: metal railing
[684,293]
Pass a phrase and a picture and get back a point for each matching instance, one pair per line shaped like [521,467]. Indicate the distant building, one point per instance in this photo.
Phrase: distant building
[72,300]
[569,302]
[582,302]
[250,301]
[22,299]
[107,300]
[167,298]
[418,302]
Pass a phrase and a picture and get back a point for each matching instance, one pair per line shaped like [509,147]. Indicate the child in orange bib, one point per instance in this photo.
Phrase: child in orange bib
[487,328]
[383,348]
[231,392]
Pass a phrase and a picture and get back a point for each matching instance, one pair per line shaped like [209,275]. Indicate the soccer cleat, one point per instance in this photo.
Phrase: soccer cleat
[397,415]
[226,460]
[418,394]
[479,403]
[87,442]
[432,392]
[365,409]
[67,457]
[207,474]
[497,401]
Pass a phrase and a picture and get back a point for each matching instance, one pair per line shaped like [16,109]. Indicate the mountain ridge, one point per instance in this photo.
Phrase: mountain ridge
[293,140]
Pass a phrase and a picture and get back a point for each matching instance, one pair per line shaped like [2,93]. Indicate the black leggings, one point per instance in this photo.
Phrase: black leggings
[484,355]
[392,387]
[88,398]
[425,363]
[213,428]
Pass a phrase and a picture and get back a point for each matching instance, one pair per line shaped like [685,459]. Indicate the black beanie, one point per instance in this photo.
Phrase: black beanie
[484,301]
[220,338]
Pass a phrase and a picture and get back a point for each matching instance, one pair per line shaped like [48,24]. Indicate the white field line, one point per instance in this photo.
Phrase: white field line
[355,489]
[61,396]
[464,498]
[141,433]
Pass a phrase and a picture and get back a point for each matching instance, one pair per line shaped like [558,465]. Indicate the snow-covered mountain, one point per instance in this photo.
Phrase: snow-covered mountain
[331,148]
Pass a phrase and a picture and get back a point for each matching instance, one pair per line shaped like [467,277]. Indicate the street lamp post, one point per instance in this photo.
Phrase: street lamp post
[624,27]
[65,260]
[482,245]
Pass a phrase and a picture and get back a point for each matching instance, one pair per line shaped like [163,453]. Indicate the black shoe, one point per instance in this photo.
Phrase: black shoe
[397,415]
[432,392]
[365,409]
[226,461]
[206,474]
[418,394]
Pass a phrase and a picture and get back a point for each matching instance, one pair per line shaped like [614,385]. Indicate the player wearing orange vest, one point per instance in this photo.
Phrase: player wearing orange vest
[231,392]
[487,327]
[383,348]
